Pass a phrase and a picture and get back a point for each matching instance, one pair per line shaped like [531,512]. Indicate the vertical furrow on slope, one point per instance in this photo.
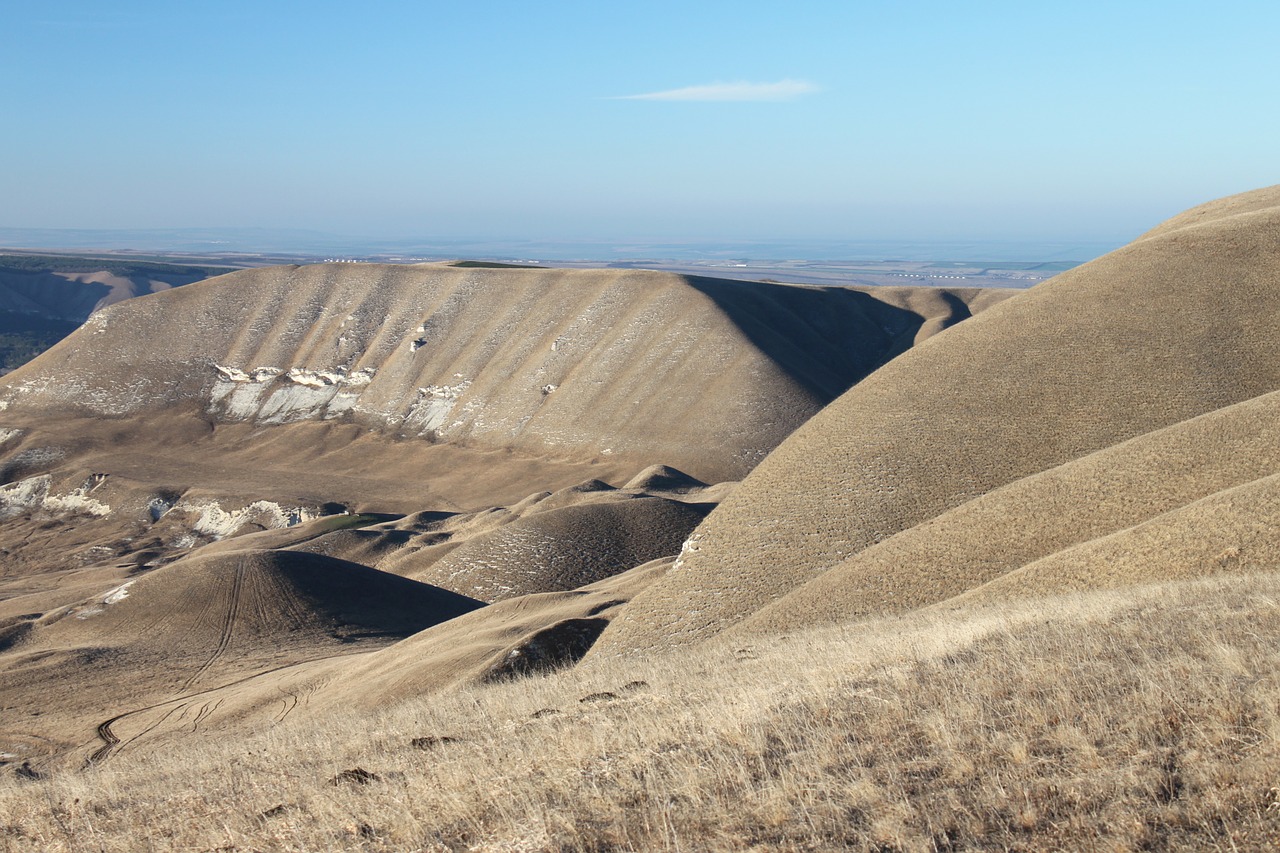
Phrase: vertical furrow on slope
[376,324]
[554,361]
[615,369]
[261,311]
[560,364]
[314,317]
[583,341]
[515,352]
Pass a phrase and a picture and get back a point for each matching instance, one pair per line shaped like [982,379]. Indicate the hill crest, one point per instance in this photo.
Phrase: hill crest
[704,374]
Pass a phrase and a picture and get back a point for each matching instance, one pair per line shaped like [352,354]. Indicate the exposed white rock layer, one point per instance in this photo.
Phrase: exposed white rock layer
[214,521]
[273,396]
[34,493]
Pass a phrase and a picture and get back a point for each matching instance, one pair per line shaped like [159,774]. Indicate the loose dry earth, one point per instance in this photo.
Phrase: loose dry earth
[430,558]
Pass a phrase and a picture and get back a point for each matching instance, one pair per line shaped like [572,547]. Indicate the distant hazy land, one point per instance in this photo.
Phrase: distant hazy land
[204,241]
[865,262]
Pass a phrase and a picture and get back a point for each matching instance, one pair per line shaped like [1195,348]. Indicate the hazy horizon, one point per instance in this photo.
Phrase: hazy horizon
[247,240]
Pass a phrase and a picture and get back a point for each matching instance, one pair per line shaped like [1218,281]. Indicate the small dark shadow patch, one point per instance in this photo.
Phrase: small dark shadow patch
[431,741]
[602,696]
[355,776]
[560,645]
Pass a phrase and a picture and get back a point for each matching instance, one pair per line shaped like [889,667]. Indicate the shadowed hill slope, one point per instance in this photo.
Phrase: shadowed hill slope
[278,614]
[527,635]
[1173,326]
[77,293]
[643,366]
[266,598]
[43,298]
[70,288]
[268,396]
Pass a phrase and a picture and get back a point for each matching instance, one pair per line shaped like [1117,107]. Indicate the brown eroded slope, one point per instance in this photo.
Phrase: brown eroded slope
[1234,531]
[1173,326]
[157,644]
[548,542]
[269,396]
[563,549]
[705,374]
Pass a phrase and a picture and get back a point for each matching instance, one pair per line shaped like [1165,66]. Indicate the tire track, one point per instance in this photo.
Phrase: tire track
[185,701]
[205,713]
[286,598]
[228,628]
[157,723]
[109,740]
[287,704]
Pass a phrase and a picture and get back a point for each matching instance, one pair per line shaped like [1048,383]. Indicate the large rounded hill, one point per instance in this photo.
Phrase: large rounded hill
[1099,429]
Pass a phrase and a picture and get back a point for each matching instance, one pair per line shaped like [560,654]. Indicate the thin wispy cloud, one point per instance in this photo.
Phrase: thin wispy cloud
[783,90]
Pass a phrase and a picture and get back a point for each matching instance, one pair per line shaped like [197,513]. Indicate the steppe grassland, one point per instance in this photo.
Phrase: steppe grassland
[1132,719]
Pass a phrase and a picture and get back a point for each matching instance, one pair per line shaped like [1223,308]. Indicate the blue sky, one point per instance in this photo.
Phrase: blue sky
[846,120]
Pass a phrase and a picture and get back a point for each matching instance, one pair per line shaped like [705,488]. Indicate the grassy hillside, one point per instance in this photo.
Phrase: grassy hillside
[1102,359]
[1142,720]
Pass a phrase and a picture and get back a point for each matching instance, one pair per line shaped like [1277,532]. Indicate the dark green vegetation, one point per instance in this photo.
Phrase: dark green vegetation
[115,266]
[493,265]
[24,336]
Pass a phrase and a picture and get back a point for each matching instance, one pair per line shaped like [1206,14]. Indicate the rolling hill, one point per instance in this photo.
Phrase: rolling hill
[394,557]
[704,374]
[1118,392]
[367,428]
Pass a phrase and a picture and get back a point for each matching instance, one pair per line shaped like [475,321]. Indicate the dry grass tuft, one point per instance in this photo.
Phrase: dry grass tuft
[1148,719]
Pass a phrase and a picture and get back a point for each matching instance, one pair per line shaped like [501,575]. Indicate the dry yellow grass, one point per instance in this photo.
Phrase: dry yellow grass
[1141,719]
